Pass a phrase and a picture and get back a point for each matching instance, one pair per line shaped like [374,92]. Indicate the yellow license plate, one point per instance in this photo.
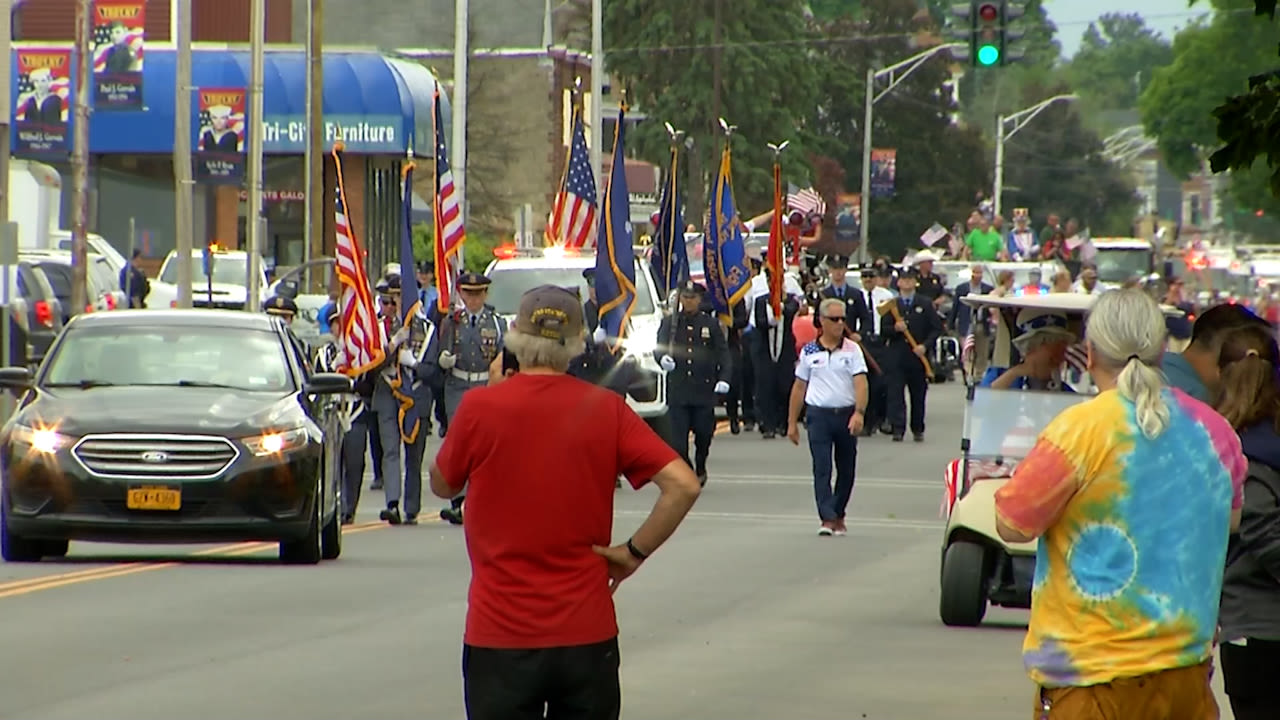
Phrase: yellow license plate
[154,498]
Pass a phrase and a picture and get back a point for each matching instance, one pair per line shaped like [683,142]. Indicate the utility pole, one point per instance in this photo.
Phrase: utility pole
[458,151]
[6,112]
[597,91]
[313,157]
[717,27]
[183,183]
[1019,120]
[253,220]
[80,157]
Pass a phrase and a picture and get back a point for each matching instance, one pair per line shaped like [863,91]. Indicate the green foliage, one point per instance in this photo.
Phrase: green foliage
[768,78]
[1117,59]
[477,250]
[1054,165]
[1212,61]
[939,167]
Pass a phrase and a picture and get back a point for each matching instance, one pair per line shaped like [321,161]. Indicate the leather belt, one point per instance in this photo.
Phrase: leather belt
[471,377]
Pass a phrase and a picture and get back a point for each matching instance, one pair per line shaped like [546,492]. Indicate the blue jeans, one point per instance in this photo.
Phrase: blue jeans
[828,430]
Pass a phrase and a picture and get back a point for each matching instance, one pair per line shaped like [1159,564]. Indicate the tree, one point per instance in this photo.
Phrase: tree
[1249,123]
[1055,165]
[1116,61]
[939,166]
[667,53]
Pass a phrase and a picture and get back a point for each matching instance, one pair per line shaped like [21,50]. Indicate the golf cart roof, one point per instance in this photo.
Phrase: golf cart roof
[1071,303]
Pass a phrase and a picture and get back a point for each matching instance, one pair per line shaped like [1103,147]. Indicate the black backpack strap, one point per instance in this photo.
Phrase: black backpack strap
[1268,476]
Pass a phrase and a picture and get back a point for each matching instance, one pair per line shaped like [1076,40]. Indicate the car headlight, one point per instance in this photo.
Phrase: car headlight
[41,439]
[276,443]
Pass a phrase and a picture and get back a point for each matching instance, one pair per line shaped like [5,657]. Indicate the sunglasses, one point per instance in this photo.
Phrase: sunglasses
[388,300]
[834,318]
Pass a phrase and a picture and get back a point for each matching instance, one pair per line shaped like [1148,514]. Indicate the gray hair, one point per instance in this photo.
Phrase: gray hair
[1127,333]
[828,303]
[535,351]
[978,267]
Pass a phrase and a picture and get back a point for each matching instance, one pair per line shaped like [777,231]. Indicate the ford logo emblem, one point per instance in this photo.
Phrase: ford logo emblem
[155,456]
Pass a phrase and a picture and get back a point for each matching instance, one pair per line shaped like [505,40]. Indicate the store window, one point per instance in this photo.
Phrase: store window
[284,204]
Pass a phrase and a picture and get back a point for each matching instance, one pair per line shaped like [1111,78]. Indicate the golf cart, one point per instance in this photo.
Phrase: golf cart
[978,568]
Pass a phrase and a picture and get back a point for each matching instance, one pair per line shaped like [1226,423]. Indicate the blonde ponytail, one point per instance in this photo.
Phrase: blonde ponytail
[1127,331]
[1141,384]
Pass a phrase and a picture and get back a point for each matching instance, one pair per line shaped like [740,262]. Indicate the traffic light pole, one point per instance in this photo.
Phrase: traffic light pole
[1019,121]
[896,73]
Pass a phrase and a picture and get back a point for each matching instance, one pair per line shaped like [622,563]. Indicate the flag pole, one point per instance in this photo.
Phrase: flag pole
[670,250]
[775,231]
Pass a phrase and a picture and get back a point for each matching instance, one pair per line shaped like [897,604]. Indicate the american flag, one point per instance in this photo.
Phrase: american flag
[450,232]
[102,45]
[363,334]
[806,201]
[967,348]
[1078,358]
[60,86]
[573,220]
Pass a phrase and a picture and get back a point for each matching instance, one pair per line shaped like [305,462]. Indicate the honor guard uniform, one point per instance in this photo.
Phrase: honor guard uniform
[873,295]
[928,284]
[598,365]
[357,415]
[857,311]
[282,307]
[470,339]
[773,352]
[904,366]
[406,365]
[382,289]
[693,351]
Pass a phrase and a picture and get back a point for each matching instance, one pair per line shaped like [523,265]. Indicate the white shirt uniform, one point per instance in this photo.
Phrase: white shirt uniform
[879,296]
[830,374]
[760,286]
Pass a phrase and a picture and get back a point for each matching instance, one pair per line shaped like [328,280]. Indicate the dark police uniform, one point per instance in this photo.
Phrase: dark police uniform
[857,311]
[468,345]
[598,365]
[929,286]
[693,350]
[427,296]
[357,415]
[738,404]
[904,369]
[282,307]
[874,343]
[382,288]
[773,363]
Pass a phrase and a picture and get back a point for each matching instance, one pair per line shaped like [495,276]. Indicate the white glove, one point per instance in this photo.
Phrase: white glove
[668,363]
[599,336]
[407,358]
[722,388]
[773,321]
[447,360]
[400,336]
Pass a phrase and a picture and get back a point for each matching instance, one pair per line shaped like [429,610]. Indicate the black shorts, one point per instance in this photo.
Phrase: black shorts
[560,683]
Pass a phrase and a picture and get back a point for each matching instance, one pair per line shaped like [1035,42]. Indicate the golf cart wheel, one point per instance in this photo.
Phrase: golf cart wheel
[963,601]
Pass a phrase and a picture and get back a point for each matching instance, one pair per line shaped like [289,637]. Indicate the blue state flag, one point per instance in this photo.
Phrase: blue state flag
[670,255]
[402,385]
[724,254]
[615,274]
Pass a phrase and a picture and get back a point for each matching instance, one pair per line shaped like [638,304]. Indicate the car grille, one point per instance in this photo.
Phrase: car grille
[158,457]
[217,304]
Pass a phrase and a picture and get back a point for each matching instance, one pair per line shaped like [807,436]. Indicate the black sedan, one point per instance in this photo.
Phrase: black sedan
[172,426]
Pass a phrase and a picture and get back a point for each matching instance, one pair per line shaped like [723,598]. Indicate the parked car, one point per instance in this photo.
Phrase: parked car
[103,290]
[35,315]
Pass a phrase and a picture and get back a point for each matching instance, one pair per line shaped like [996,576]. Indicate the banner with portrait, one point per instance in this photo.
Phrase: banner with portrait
[884,171]
[117,54]
[42,110]
[220,135]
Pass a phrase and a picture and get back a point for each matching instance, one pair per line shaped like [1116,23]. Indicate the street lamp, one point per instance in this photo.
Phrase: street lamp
[1019,121]
[896,73]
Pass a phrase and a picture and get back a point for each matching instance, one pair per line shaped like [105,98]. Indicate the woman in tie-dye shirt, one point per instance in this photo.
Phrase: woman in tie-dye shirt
[1132,495]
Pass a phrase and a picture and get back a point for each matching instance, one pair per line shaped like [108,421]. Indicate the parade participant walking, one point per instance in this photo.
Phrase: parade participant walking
[857,311]
[407,365]
[470,339]
[874,294]
[772,348]
[282,307]
[357,415]
[831,386]
[599,365]
[692,349]
[541,634]
[1132,495]
[904,362]
[1249,617]
[383,291]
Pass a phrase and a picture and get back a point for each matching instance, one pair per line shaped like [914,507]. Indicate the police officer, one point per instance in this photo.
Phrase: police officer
[598,364]
[429,296]
[874,295]
[905,364]
[470,339]
[857,311]
[692,349]
[738,403]
[928,284]
[773,356]
[357,414]
[383,290]
[282,307]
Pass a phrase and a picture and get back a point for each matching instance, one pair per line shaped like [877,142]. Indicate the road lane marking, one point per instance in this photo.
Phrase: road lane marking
[48,582]
[903,483]
[796,518]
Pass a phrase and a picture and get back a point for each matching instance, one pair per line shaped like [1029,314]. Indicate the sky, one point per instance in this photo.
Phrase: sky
[1073,16]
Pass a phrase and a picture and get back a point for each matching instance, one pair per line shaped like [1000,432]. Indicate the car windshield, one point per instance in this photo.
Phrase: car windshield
[227,269]
[250,360]
[510,283]
[1005,423]
[1117,266]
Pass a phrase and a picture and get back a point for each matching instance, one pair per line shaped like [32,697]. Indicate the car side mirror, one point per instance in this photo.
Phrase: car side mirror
[15,378]
[325,384]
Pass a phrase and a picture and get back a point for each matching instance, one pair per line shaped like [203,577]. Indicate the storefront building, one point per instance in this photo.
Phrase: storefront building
[380,106]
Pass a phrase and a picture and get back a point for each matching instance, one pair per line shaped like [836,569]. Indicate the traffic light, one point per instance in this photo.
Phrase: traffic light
[988,30]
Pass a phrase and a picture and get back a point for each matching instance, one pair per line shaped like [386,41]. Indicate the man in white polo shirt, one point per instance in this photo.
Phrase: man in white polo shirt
[831,385]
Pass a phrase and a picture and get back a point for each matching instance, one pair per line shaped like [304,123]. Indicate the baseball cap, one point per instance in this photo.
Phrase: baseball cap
[551,312]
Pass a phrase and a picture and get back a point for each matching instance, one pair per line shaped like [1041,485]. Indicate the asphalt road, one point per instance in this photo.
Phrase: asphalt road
[746,613]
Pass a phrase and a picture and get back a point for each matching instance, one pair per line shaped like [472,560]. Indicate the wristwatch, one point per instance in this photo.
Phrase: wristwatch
[635,551]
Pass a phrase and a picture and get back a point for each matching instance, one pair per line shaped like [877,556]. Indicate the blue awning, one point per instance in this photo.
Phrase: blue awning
[380,105]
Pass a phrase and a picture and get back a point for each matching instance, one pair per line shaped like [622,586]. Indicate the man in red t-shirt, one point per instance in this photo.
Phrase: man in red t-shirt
[540,452]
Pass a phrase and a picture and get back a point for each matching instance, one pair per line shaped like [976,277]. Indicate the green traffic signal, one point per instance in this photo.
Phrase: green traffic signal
[988,55]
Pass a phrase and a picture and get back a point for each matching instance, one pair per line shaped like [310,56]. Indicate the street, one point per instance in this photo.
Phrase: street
[745,613]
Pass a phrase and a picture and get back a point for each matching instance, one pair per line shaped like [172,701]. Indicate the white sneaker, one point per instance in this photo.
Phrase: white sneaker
[825,530]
